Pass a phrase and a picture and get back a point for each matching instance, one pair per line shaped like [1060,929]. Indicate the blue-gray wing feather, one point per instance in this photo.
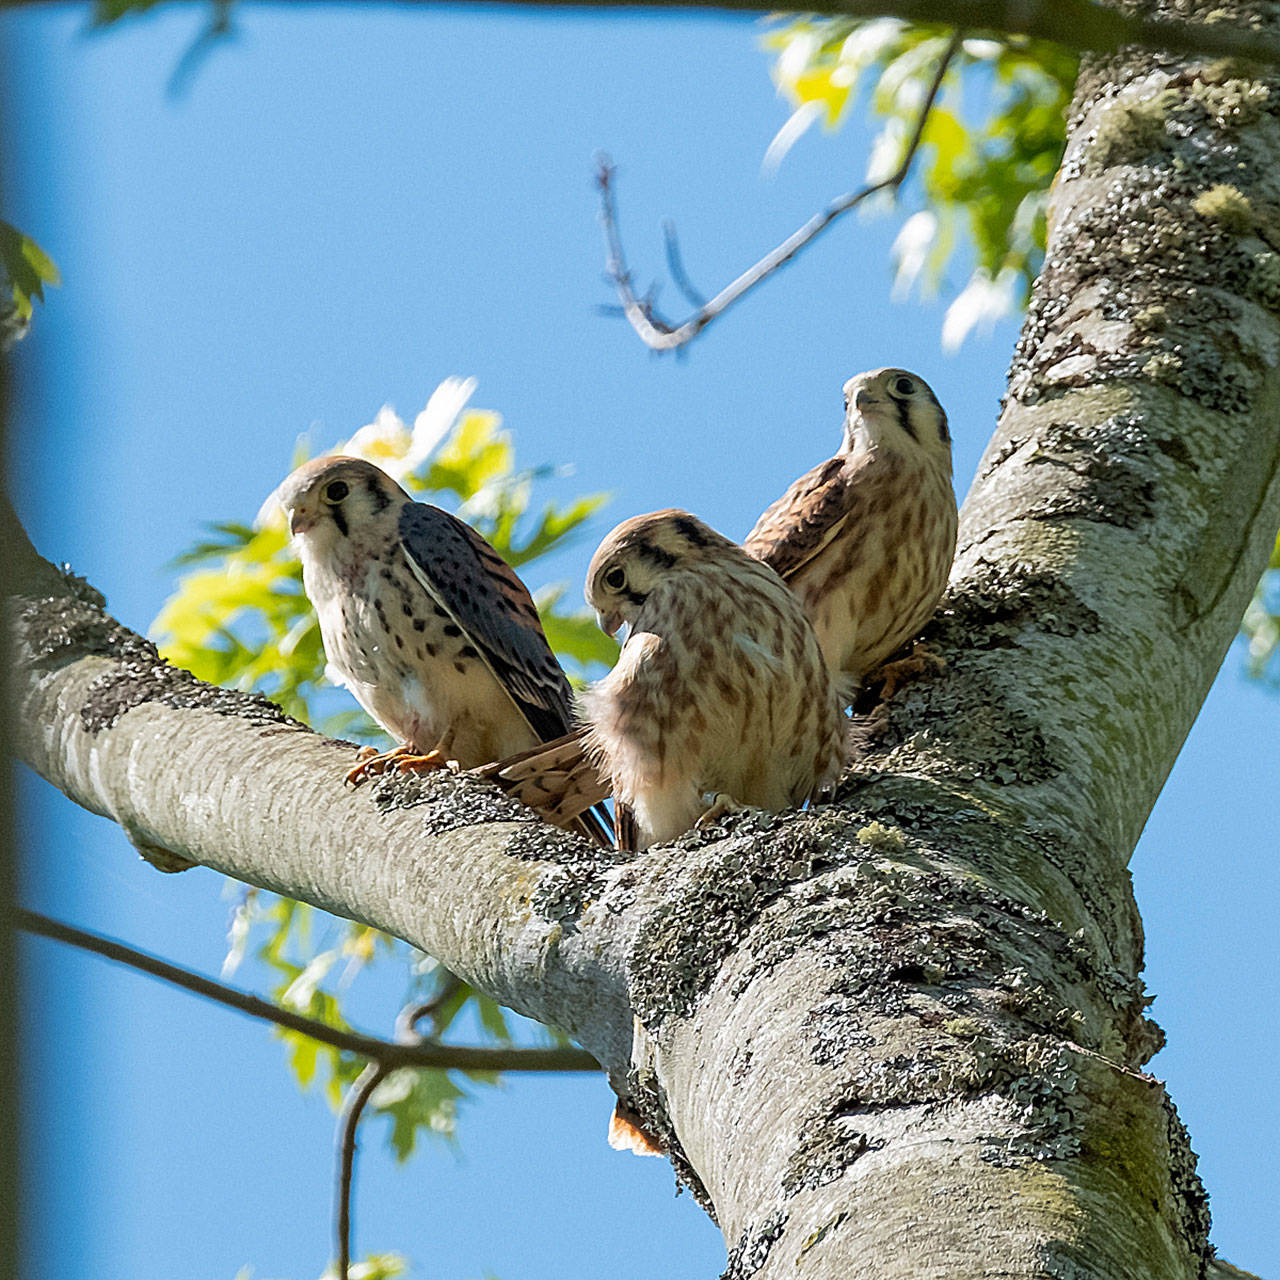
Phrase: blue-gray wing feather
[494,610]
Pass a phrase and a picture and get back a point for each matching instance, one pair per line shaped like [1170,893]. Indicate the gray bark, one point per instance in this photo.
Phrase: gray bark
[901,1035]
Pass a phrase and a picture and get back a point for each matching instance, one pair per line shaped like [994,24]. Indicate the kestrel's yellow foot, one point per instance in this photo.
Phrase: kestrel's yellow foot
[411,762]
[372,762]
[721,806]
[364,757]
[921,661]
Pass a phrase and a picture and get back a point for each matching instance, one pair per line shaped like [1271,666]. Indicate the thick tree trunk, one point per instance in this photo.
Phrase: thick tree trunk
[898,1036]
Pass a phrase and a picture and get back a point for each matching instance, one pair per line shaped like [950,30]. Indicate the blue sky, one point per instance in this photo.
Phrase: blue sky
[342,209]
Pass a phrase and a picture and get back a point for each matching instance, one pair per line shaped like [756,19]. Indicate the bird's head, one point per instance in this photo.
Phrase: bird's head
[638,555]
[326,498]
[897,409]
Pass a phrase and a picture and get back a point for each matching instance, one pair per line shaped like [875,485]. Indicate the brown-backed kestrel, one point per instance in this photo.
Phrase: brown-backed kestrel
[720,690]
[422,620]
[866,539]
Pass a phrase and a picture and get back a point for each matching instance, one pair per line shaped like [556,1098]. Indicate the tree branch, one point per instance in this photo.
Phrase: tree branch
[358,1098]
[390,1054]
[1075,24]
[227,781]
[661,335]
[352,1108]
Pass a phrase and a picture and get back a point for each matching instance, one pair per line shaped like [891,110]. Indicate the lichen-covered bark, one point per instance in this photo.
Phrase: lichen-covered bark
[901,1035]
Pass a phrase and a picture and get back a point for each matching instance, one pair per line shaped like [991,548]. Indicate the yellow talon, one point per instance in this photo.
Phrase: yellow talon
[404,759]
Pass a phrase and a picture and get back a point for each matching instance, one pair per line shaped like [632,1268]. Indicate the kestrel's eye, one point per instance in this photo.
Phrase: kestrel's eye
[615,578]
[902,387]
[336,491]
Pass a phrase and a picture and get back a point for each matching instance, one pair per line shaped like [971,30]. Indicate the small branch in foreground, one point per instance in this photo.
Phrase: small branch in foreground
[662,335]
[393,1054]
[348,1122]
[358,1098]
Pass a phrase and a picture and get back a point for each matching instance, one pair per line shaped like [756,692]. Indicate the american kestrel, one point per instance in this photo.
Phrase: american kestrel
[720,690]
[422,620]
[866,539]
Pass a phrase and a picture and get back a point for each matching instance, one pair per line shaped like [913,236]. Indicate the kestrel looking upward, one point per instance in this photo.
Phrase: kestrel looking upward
[423,620]
[866,539]
[720,688]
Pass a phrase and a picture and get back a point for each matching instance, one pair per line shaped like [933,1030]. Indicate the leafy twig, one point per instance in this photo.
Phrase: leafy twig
[662,335]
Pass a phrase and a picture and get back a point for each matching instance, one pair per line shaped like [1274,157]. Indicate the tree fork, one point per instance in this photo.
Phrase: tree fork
[901,1035]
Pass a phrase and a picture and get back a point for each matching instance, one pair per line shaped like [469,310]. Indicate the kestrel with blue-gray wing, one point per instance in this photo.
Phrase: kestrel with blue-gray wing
[866,539]
[422,620]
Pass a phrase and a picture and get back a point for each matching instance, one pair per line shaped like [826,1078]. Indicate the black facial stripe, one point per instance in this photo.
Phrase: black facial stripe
[655,555]
[690,532]
[339,519]
[944,427]
[380,499]
[634,597]
[904,417]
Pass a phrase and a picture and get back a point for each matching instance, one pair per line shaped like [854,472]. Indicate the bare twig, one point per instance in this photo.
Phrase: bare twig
[408,1018]
[348,1122]
[662,335]
[415,1054]
[409,1049]
[675,264]
[358,1098]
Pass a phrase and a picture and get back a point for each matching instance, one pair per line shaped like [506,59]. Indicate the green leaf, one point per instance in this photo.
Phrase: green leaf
[27,267]
[554,526]
[418,1102]
[228,536]
[493,1018]
[574,635]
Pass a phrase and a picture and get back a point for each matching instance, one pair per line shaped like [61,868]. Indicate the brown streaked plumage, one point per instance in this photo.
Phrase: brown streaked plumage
[422,620]
[720,689]
[866,538]
[720,694]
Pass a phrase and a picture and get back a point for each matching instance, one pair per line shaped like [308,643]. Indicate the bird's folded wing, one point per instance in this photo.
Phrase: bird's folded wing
[483,596]
[805,519]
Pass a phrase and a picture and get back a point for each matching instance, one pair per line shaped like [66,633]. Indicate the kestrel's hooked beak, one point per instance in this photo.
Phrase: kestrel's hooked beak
[864,400]
[608,622]
[300,520]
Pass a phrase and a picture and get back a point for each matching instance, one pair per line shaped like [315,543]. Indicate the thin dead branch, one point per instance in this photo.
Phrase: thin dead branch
[358,1098]
[660,334]
[348,1122]
[409,1053]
